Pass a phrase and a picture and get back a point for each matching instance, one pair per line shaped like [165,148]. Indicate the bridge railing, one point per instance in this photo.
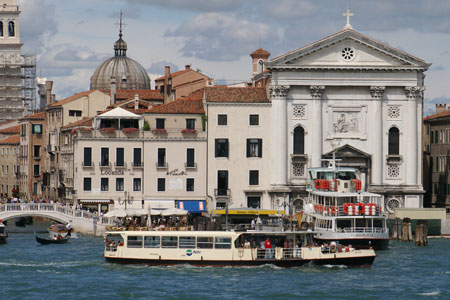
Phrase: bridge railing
[57,208]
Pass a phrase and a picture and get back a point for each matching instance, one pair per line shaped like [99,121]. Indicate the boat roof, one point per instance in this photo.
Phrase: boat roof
[205,233]
[337,169]
[344,194]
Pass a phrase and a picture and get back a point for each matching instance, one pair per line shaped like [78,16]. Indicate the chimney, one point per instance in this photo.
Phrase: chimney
[53,98]
[136,101]
[440,108]
[113,89]
[48,92]
[26,109]
[167,71]
[166,84]
[187,67]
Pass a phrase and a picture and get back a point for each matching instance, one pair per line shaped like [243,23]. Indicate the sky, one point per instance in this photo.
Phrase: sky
[72,37]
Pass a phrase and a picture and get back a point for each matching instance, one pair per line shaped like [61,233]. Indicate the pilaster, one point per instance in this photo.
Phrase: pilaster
[377,93]
[317,130]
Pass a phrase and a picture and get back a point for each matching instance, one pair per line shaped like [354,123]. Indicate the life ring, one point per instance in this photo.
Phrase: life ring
[325,184]
[316,207]
[318,184]
[334,210]
[361,208]
[346,206]
[371,209]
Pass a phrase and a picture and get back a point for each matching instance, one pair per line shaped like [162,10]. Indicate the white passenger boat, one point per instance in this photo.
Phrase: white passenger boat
[341,211]
[226,248]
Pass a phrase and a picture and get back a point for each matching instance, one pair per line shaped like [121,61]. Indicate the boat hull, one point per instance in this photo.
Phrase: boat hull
[3,239]
[359,243]
[44,241]
[285,263]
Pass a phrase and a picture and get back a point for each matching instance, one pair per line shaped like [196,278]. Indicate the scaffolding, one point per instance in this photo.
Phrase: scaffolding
[17,85]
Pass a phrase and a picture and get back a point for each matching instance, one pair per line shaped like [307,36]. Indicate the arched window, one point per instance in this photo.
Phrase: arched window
[260,66]
[394,141]
[11,28]
[1,28]
[299,140]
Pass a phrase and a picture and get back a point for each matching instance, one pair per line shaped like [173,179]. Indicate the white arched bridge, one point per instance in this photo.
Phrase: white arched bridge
[82,221]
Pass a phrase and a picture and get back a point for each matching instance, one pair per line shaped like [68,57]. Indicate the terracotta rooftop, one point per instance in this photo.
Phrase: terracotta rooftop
[11,130]
[260,52]
[130,104]
[11,140]
[72,98]
[442,114]
[80,123]
[36,116]
[236,95]
[143,94]
[174,74]
[186,105]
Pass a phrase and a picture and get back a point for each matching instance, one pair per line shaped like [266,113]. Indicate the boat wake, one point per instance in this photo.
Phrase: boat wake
[335,266]
[433,293]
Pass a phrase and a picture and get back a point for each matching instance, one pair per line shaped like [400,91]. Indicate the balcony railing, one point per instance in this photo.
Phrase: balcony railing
[190,165]
[88,164]
[121,165]
[162,165]
[222,193]
[138,164]
[104,164]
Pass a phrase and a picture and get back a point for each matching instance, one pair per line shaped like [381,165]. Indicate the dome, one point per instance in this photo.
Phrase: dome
[129,74]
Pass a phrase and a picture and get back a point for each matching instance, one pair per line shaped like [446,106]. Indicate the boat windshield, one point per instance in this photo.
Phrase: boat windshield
[345,175]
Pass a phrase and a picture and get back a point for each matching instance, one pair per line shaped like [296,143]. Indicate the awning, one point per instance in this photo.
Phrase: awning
[96,201]
[160,204]
[246,211]
[193,206]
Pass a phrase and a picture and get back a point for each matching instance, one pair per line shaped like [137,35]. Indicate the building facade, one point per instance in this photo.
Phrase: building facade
[123,163]
[436,158]
[357,97]
[31,156]
[239,148]
[9,167]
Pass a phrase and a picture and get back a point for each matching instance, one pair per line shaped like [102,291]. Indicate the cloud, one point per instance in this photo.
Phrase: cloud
[63,59]
[226,37]
[430,104]
[193,5]
[37,24]
[159,67]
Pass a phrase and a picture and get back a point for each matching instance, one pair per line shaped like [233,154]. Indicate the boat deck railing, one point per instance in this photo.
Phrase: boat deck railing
[341,211]
[364,230]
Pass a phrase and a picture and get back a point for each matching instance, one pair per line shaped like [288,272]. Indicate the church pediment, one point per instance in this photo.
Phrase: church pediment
[347,151]
[347,49]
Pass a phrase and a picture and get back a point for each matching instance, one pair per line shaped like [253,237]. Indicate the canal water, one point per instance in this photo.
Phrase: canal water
[77,271]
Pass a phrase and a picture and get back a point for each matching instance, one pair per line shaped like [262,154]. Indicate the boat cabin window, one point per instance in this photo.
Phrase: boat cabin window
[345,175]
[152,242]
[205,242]
[2,230]
[223,243]
[169,242]
[116,238]
[187,242]
[343,223]
[378,223]
[134,242]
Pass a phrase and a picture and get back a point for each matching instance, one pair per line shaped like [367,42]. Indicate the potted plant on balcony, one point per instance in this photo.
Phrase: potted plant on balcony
[159,130]
[130,130]
[188,131]
[108,129]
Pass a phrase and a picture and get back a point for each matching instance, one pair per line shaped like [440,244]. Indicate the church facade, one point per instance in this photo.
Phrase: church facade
[354,96]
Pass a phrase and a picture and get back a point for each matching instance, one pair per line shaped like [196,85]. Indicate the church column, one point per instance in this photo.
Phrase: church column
[279,134]
[377,158]
[317,127]
[411,147]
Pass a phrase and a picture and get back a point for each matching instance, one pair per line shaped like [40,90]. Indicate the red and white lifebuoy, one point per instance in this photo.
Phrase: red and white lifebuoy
[360,207]
[371,209]
[349,209]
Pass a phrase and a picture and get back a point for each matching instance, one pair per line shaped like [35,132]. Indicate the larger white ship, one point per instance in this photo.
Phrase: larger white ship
[341,211]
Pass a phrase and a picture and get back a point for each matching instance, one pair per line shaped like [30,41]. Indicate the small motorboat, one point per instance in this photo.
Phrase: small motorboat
[52,240]
[3,234]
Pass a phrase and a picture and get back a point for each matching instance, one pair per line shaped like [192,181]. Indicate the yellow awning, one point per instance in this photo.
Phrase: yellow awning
[246,212]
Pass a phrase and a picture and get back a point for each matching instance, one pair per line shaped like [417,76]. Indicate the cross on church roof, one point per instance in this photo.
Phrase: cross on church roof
[348,15]
[121,24]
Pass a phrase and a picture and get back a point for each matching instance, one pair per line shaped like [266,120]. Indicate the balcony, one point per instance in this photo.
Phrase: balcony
[188,131]
[190,165]
[88,164]
[222,194]
[159,131]
[162,165]
[104,165]
[37,157]
[122,165]
[394,159]
[299,158]
[138,164]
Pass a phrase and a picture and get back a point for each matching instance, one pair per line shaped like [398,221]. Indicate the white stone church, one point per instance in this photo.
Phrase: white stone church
[358,96]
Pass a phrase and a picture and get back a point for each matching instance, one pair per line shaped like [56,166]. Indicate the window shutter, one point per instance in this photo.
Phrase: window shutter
[260,147]
[226,148]
[217,147]
[248,148]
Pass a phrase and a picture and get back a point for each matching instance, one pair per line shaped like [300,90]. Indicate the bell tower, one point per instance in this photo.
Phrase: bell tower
[259,57]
